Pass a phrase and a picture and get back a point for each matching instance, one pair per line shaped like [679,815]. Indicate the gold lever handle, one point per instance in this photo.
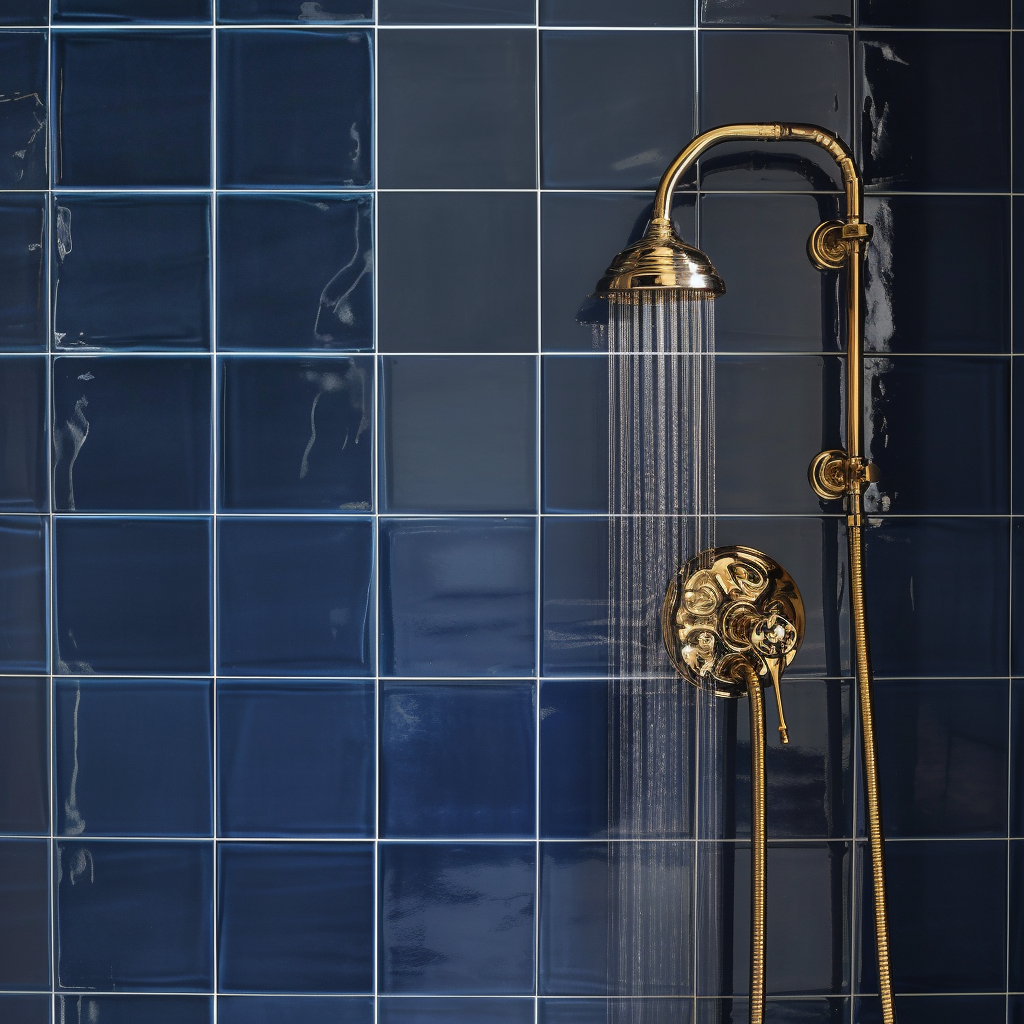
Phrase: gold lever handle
[775,638]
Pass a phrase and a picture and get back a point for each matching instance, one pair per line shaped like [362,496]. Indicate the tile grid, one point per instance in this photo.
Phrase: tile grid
[215,528]
[1009,569]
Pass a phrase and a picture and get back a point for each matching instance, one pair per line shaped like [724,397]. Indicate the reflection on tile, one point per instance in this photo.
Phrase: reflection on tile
[27,1009]
[23,270]
[131,272]
[295,917]
[296,434]
[23,115]
[133,757]
[126,1009]
[293,108]
[300,1010]
[457,918]
[776,1011]
[161,132]
[464,1010]
[295,759]
[23,434]
[131,434]
[933,14]
[23,593]
[24,725]
[25,12]
[90,12]
[1017,759]
[485,299]
[816,13]
[329,12]
[595,134]
[294,272]
[602,13]
[132,595]
[295,597]
[938,1009]
[24,914]
[456,109]
[457,597]
[134,915]
[597,1011]
[459,434]
[456,12]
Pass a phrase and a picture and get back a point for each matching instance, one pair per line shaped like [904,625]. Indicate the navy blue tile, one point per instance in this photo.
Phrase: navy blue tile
[23,267]
[1017,437]
[597,1011]
[23,594]
[911,87]
[295,759]
[483,299]
[1017,280]
[24,718]
[269,11]
[816,13]
[600,13]
[294,272]
[456,109]
[25,1009]
[1015,980]
[132,916]
[133,757]
[25,12]
[293,108]
[132,595]
[131,434]
[23,84]
[24,914]
[1015,1005]
[457,918]
[464,1010]
[456,12]
[131,272]
[1016,638]
[295,917]
[296,434]
[1017,758]
[933,14]
[777,1011]
[23,434]
[938,1009]
[303,1010]
[125,1009]
[446,771]
[594,133]
[155,133]
[114,11]
[459,434]
[937,307]
[774,76]
[295,597]
[458,597]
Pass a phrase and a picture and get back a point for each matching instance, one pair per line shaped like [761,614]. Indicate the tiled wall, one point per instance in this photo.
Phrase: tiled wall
[302,716]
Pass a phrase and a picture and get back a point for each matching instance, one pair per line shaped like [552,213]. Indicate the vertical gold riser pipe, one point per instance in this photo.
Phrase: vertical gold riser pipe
[758,851]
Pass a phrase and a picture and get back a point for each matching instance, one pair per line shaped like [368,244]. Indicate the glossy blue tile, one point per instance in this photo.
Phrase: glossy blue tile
[911,86]
[131,272]
[933,14]
[293,108]
[601,13]
[299,1010]
[1015,1007]
[295,917]
[25,1009]
[296,434]
[457,918]
[938,1009]
[155,133]
[456,12]
[295,759]
[777,1011]
[131,434]
[294,272]
[774,76]
[455,109]
[132,595]
[23,434]
[24,724]
[23,593]
[446,772]
[1015,980]
[290,11]
[23,267]
[459,434]
[594,133]
[126,1009]
[1017,54]
[457,597]
[1017,758]
[133,757]
[25,12]
[24,914]
[485,300]
[132,916]
[464,1010]
[816,13]
[596,1011]
[88,12]
[23,84]
[295,597]
[1017,570]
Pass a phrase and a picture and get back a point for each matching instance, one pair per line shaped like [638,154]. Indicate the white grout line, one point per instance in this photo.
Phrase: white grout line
[538,522]
[1009,652]
[214,501]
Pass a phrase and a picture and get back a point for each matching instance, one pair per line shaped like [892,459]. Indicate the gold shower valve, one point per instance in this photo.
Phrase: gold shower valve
[829,244]
[833,473]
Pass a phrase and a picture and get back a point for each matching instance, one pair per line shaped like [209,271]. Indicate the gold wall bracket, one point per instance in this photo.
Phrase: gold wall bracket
[829,245]
[833,473]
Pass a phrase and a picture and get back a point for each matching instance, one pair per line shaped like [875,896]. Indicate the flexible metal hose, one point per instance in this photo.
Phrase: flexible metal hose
[758,850]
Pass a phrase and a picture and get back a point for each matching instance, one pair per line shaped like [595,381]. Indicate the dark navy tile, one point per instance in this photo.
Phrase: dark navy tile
[456,12]
[459,434]
[456,109]
[595,133]
[24,914]
[286,11]
[479,298]
[297,1010]
[295,597]
[457,597]
[589,918]
[933,14]
[25,12]
[457,919]
[815,13]
[131,272]
[938,305]
[296,434]
[126,1009]
[133,757]
[1017,571]
[23,86]
[463,1010]
[23,593]
[115,11]
[24,718]
[131,434]
[1017,758]
[777,1011]
[1015,979]
[294,272]
[774,76]
[596,1011]
[293,108]
[1017,279]
[601,13]
[947,917]
[23,434]
[23,268]
[295,917]
[295,759]
[1015,1004]
[938,1009]
[155,133]
[26,1009]
[1017,436]
[911,87]
[132,916]
[446,771]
